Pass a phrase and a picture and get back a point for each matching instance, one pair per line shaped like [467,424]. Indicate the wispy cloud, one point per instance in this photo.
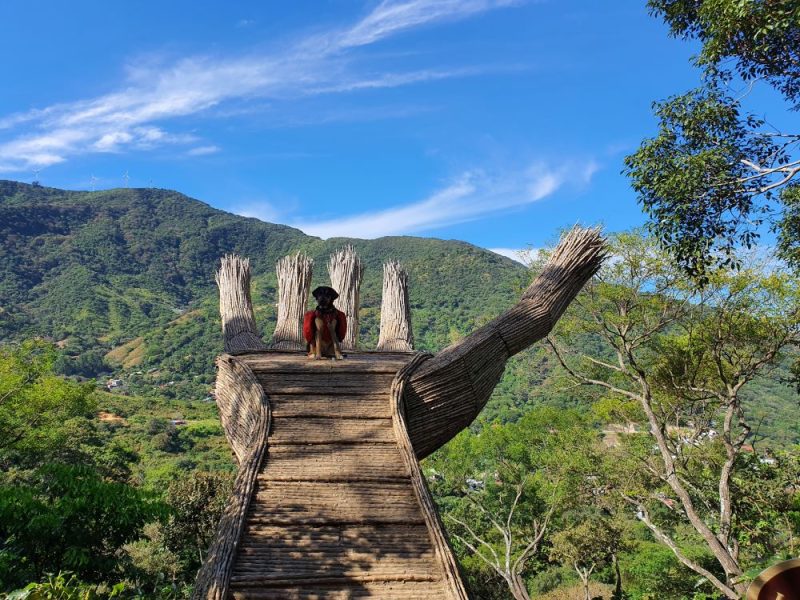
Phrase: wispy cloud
[392,17]
[203,150]
[132,117]
[472,195]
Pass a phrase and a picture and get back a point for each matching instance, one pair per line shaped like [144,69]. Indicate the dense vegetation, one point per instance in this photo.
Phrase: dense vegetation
[118,285]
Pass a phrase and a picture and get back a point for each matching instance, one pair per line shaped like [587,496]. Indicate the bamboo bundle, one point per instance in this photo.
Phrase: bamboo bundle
[245,415]
[294,282]
[395,334]
[239,330]
[346,271]
[447,392]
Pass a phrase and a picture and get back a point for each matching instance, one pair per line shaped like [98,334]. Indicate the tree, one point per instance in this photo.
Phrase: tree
[37,408]
[501,489]
[586,546]
[713,174]
[682,357]
[68,518]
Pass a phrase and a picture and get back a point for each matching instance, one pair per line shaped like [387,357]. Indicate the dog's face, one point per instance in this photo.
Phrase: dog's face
[325,296]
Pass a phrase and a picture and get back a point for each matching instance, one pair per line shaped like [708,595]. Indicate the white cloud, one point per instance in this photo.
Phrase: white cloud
[203,150]
[471,196]
[128,117]
[392,17]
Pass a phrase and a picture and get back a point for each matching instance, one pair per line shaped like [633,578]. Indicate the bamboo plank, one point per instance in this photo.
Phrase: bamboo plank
[333,462]
[329,384]
[344,589]
[366,406]
[344,535]
[316,430]
[314,503]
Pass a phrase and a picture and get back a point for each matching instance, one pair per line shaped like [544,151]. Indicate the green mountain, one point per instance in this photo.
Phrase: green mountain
[125,277]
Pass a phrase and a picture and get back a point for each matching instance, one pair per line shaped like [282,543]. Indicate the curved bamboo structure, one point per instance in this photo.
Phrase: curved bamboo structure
[338,507]
[246,418]
[294,283]
[446,393]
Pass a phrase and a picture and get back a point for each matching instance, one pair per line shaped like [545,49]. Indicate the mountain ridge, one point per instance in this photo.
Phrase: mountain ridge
[94,270]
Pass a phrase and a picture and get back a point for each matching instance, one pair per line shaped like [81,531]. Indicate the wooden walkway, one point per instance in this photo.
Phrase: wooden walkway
[335,514]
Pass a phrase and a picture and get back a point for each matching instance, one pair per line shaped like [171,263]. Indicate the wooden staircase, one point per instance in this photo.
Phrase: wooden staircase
[335,514]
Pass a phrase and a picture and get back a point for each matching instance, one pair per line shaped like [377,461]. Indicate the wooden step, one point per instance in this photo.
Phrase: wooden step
[317,430]
[384,538]
[334,462]
[328,384]
[314,503]
[345,589]
[365,406]
[296,570]
[305,552]
[361,362]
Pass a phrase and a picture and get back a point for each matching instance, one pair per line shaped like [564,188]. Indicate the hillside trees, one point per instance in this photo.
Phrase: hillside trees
[39,411]
[502,489]
[677,360]
[714,174]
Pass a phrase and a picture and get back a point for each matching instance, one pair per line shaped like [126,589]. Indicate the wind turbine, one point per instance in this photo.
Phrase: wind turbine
[126,178]
[94,182]
[36,176]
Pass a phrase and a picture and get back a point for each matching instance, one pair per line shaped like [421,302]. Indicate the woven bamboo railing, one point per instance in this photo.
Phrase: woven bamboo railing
[444,553]
[346,271]
[245,415]
[447,392]
[239,331]
[294,283]
[395,334]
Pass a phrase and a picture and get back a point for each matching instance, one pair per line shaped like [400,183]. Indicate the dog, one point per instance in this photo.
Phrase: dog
[325,327]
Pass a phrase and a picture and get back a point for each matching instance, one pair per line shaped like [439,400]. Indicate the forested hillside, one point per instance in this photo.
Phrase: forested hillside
[134,268]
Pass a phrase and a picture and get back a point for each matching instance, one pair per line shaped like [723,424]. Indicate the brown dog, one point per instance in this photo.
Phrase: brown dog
[325,327]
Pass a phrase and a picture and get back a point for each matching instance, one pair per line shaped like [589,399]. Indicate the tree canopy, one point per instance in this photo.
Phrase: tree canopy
[715,174]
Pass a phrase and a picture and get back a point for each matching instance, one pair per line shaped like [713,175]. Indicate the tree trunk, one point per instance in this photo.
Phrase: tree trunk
[346,271]
[584,575]
[517,587]
[239,331]
[395,332]
[447,392]
[617,595]
[294,283]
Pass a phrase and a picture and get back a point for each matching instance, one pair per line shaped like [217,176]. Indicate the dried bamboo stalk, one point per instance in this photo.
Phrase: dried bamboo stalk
[446,394]
[395,334]
[346,271]
[239,330]
[245,415]
[294,282]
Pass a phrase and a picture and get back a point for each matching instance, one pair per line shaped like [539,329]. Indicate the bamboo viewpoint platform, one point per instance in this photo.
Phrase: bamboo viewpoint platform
[329,500]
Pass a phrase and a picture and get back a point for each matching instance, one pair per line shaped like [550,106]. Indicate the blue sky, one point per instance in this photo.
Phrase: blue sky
[496,122]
